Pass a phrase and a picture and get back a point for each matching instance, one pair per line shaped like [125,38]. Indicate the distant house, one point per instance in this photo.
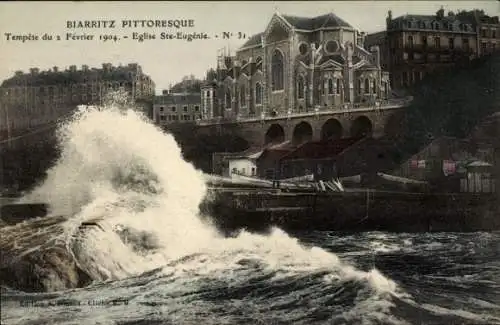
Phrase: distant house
[268,163]
[245,165]
[445,161]
[259,162]
[367,157]
[316,157]
[177,108]
[479,178]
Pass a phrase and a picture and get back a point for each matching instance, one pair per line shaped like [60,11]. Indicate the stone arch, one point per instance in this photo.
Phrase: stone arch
[275,134]
[361,127]
[332,129]
[302,132]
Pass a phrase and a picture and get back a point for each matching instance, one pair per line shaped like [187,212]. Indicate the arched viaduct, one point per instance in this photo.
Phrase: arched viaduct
[302,128]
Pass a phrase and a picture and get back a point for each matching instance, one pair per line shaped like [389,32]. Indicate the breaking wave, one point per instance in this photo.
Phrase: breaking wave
[120,173]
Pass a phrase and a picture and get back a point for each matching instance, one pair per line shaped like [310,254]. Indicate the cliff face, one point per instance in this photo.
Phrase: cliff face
[452,103]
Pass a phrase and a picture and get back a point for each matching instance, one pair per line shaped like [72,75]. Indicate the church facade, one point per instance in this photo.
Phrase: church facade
[297,65]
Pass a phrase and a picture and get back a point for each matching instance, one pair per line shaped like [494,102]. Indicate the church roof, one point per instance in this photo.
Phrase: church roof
[307,23]
[337,58]
[253,40]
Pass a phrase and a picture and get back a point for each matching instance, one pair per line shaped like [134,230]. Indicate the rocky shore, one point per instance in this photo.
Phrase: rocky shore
[34,257]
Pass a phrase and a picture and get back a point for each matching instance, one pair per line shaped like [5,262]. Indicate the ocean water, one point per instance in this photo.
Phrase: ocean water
[153,259]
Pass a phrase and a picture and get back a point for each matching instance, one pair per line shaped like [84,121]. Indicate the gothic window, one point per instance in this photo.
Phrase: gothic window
[243,95]
[367,86]
[338,86]
[228,100]
[374,86]
[258,93]
[330,86]
[320,89]
[359,86]
[300,87]
[277,70]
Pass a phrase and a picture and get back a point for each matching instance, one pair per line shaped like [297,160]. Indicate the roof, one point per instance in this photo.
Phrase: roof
[65,77]
[446,23]
[375,38]
[178,98]
[247,154]
[253,40]
[275,151]
[320,149]
[323,21]
[479,163]
[337,58]
[369,155]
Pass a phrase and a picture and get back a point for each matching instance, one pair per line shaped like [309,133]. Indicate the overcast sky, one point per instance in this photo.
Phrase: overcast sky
[167,61]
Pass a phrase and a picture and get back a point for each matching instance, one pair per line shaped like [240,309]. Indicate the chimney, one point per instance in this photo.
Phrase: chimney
[388,20]
[18,73]
[107,66]
[34,71]
[55,69]
[85,68]
[72,68]
[440,14]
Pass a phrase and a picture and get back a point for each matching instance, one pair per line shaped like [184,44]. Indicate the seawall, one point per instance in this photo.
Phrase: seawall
[354,211]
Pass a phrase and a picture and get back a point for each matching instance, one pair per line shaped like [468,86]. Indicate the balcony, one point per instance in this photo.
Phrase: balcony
[341,109]
[438,50]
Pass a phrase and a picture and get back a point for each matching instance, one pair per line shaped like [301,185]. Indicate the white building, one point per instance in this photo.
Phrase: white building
[245,165]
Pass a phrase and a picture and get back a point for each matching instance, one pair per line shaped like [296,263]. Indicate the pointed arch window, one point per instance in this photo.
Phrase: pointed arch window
[360,86]
[374,86]
[277,70]
[330,86]
[338,86]
[367,86]
[300,87]
[227,100]
[258,93]
[243,95]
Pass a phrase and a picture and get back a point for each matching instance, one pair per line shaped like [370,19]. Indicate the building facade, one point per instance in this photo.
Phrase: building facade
[420,44]
[489,34]
[28,100]
[177,108]
[296,65]
[414,45]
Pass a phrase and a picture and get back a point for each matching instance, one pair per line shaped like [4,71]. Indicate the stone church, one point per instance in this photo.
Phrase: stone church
[297,65]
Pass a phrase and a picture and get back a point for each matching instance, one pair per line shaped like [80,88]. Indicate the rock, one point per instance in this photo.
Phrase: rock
[34,257]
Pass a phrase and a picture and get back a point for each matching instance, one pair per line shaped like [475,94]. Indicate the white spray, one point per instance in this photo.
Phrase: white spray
[118,168]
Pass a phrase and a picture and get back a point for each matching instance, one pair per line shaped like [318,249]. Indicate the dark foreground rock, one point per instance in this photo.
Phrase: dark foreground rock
[34,257]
